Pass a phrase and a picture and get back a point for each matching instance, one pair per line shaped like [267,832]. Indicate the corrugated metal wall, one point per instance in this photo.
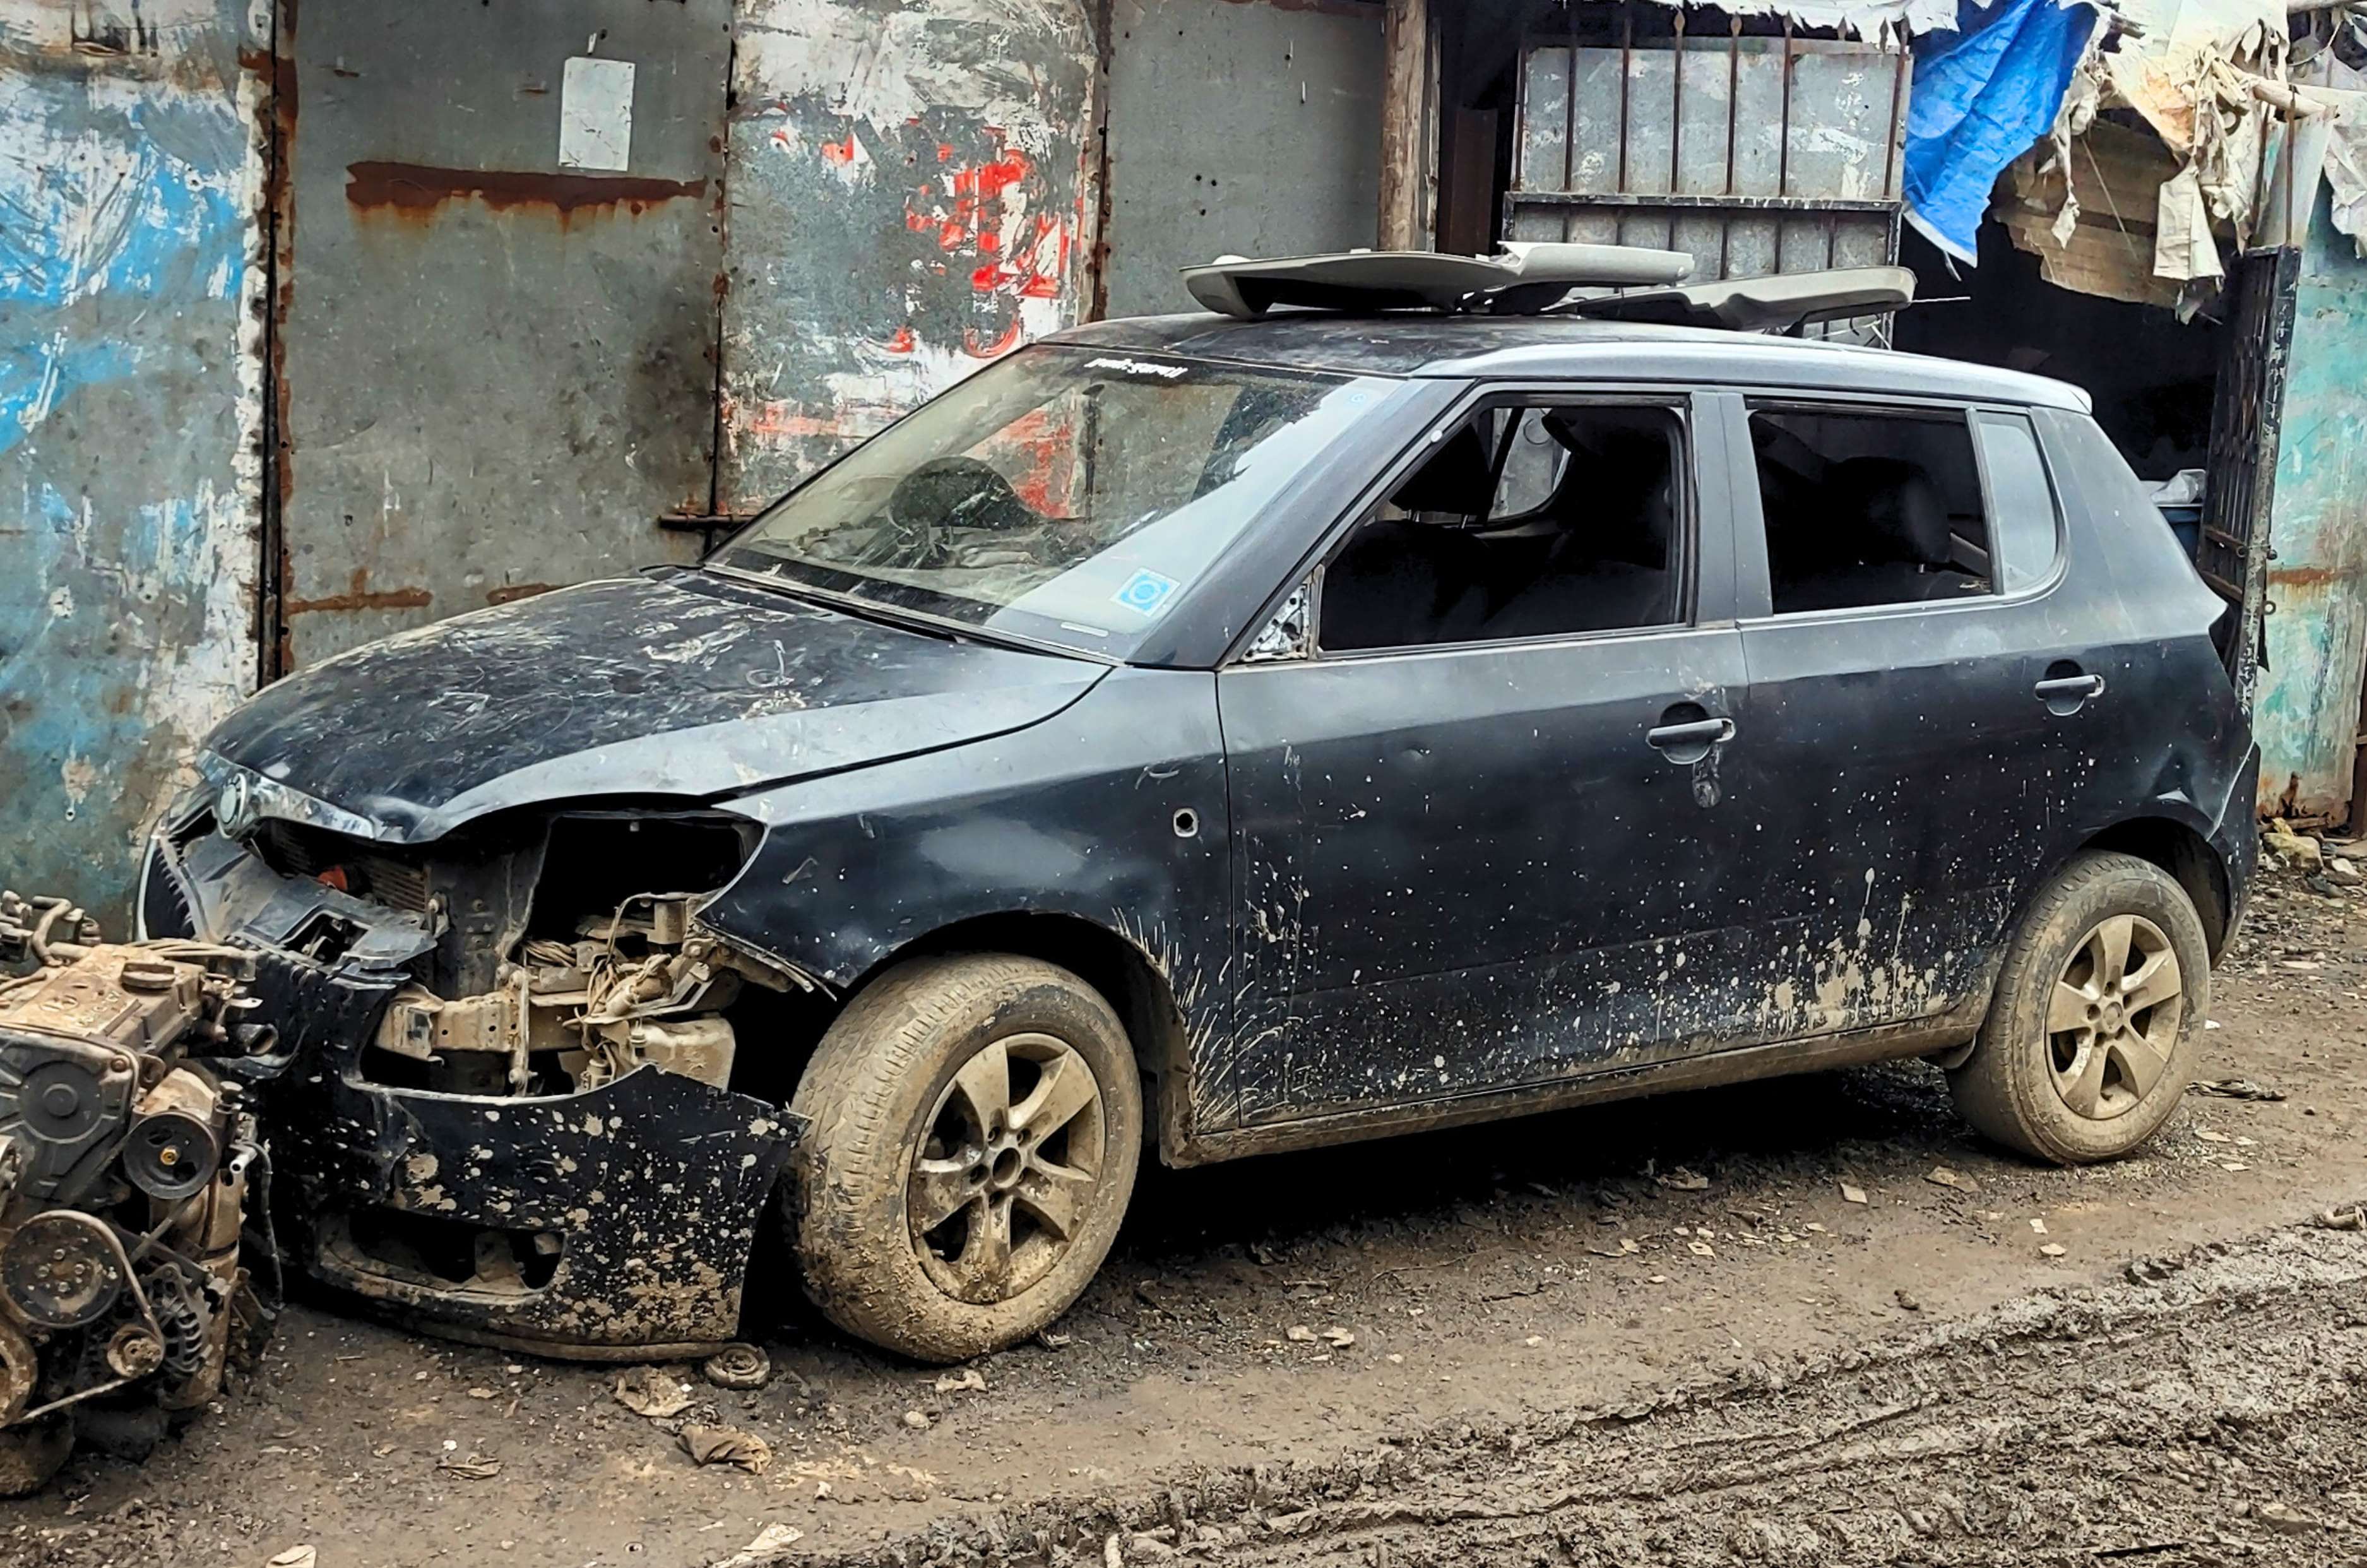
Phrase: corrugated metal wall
[2306,711]
[131,415]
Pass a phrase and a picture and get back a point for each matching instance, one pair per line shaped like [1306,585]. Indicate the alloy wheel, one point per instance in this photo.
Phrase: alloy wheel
[2114,1017]
[1008,1170]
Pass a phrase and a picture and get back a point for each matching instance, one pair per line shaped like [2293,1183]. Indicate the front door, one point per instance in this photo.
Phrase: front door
[1483,824]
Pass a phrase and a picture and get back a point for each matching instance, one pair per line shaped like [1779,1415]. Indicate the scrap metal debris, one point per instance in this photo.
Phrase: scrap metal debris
[2234,1089]
[726,1445]
[738,1366]
[126,1155]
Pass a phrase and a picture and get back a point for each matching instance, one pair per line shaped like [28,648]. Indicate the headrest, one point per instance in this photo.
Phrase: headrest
[1902,512]
[1455,479]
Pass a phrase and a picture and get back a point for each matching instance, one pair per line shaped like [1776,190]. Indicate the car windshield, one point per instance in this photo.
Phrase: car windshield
[1063,496]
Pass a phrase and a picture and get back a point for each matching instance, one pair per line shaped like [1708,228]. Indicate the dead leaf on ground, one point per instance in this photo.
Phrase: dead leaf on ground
[653,1392]
[968,1381]
[918,1420]
[1338,1339]
[1852,1193]
[726,1445]
[295,1556]
[1682,1180]
[1942,1175]
[1299,1334]
[769,1539]
[2053,1249]
[475,1467]
[2208,1136]
[1701,1249]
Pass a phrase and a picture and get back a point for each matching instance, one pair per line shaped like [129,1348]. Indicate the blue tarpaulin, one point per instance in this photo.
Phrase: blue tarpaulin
[1983,94]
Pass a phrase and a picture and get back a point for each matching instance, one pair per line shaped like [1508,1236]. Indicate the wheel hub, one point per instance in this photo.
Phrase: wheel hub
[2116,1013]
[1008,1169]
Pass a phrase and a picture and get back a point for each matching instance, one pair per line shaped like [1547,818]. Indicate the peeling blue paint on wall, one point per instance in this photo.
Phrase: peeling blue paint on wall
[2306,711]
[130,383]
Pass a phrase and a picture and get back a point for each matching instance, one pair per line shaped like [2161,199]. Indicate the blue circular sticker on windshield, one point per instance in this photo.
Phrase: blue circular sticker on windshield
[1145,592]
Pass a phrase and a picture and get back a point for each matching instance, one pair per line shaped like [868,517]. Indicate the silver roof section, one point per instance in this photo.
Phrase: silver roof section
[1565,349]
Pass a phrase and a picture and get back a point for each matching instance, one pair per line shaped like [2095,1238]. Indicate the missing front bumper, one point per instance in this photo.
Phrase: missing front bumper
[617,1221]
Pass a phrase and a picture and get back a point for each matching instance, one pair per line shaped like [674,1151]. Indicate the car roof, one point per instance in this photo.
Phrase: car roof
[1554,347]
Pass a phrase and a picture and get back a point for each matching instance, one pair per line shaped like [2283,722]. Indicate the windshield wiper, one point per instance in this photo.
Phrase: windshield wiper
[904,620]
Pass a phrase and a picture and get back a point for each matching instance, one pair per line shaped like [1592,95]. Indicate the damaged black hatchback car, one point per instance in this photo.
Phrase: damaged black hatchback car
[1226,736]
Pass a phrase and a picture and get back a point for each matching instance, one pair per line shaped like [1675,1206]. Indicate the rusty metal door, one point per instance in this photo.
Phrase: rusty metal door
[1253,128]
[495,327]
[2246,406]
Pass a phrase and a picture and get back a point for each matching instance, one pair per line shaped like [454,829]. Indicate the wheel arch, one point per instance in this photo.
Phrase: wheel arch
[2183,851]
[1124,966]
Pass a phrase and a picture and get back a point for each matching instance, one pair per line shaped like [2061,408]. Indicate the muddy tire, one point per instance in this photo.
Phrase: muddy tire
[974,1126]
[32,1453]
[2091,1035]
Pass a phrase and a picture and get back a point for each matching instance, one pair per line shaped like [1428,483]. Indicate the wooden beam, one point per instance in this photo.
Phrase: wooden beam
[1405,104]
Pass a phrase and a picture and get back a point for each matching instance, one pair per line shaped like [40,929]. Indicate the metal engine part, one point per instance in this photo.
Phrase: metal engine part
[125,1156]
[633,990]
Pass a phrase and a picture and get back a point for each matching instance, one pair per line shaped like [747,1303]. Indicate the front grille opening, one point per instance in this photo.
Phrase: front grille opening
[199,824]
[352,865]
[434,1251]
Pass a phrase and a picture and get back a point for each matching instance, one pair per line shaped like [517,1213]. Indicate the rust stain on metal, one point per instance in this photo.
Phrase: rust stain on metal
[359,594]
[510,592]
[417,191]
[273,648]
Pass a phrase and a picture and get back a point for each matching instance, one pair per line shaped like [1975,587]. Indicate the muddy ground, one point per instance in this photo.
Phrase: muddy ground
[1644,1333]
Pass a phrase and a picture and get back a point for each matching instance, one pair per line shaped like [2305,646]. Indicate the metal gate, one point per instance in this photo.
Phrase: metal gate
[1756,154]
[2248,404]
[495,329]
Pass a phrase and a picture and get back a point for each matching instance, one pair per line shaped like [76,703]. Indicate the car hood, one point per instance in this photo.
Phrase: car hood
[674,684]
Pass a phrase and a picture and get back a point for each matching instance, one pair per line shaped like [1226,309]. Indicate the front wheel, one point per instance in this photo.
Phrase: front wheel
[2091,1035]
[974,1126]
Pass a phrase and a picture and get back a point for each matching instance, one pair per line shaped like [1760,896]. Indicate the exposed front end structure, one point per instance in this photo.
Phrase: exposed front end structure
[516,1109]
[127,1151]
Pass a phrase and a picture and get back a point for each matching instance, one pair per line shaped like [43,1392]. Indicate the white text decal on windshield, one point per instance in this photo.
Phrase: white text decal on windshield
[1137,368]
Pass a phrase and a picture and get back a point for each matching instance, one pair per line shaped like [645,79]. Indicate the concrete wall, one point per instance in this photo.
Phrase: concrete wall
[130,416]
[2306,711]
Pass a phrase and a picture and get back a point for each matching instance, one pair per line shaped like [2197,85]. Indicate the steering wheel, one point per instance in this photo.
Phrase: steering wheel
[953,492]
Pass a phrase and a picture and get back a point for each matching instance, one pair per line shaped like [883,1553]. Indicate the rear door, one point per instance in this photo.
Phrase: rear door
[1920,709]
[1483,838]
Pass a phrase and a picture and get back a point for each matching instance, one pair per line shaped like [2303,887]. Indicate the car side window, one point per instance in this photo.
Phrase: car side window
[2021,503]
[1869,506]
[1527,519]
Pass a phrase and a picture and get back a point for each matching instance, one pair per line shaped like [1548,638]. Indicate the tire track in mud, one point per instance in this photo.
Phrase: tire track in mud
[2210,1409]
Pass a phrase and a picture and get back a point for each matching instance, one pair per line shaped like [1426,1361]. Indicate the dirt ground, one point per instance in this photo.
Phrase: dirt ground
[1659,1333]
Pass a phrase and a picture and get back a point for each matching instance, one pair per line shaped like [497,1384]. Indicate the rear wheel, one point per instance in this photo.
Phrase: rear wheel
[2091,1035]
[974,1126]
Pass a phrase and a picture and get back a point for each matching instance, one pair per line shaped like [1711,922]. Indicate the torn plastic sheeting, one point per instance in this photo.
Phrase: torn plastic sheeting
[1872,20]
[1984,93]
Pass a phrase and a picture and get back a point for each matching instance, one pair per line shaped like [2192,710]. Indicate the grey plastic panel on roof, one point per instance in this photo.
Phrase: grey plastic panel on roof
[1243,285]
[1561,348]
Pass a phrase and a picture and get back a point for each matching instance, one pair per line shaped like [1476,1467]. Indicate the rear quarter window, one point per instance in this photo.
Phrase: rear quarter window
[2025,522]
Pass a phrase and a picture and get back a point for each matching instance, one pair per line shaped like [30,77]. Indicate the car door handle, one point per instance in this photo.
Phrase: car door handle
[2072,690]
[1692,734]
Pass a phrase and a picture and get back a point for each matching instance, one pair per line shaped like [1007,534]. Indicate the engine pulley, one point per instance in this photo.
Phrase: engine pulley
[171,1156]
[61,1269]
